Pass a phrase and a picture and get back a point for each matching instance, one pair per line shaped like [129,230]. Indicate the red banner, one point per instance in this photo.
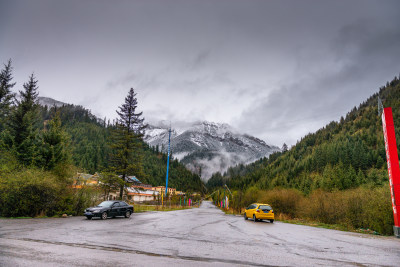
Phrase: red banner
[392,162]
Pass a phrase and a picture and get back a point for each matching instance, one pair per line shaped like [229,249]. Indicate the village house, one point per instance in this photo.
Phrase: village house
[137,194]
[85,179]
[161,190]
[135,191]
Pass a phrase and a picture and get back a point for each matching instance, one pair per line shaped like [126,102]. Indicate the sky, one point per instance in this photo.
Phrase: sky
[277,70]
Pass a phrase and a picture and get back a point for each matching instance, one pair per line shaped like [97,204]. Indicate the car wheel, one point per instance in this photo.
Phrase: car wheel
[127,214]
[272,221]
[245,216]
[254,218]
[89,217]
[104,215]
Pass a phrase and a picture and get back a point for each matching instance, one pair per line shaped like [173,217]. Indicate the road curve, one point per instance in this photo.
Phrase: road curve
[202,236]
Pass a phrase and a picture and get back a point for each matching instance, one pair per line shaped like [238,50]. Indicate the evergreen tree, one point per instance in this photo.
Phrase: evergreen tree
[109,182]
[23,123]
[6,96]
[284,147]
[328,178]
[352,177]
[126,144]
[54,144]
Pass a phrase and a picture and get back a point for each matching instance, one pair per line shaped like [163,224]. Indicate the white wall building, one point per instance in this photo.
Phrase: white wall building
[138,194]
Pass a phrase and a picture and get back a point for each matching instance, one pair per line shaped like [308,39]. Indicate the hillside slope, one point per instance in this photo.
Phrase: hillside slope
[89,146]
[342,155]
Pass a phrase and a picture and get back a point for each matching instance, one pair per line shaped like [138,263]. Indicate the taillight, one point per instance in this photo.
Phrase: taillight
[272,211]
[257,210]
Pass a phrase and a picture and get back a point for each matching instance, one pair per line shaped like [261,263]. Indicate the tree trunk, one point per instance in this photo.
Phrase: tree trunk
[121,188]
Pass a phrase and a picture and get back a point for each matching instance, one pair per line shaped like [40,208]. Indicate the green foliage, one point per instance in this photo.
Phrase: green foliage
[110,182]
[126,145]
[40,147]
[90,148]
[364,207]
[6,96]
[284,201]
[87,136]
[357,208]
[340,156]
[154,165]
[54,145]
[23,124]
[250,196]
[8,161]
[33,192]
[29,193]
[337,175]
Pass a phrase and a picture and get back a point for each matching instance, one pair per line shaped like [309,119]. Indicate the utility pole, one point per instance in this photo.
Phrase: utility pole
[228,190]
[169,151]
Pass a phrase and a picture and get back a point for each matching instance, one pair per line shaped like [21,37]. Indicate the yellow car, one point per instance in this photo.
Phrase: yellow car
[259,211]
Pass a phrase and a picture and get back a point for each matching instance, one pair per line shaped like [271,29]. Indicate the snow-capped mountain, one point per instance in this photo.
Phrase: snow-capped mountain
[208,147]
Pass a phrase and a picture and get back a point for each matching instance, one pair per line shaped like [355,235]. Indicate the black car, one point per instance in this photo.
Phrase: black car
[109,209]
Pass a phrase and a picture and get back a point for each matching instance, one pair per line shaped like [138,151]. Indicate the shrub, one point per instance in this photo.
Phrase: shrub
[33,192]
[378,213]
[283,201]
[250,196]
[357,208]
[325,207]
[28,193]
[363,207]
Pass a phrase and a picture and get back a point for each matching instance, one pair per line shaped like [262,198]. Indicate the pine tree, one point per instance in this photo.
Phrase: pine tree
[6,96]
[22,123]
[54,144]
[127,136]
[284,147]
[352,176]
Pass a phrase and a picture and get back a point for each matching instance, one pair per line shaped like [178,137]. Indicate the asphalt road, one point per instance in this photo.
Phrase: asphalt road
[202,236]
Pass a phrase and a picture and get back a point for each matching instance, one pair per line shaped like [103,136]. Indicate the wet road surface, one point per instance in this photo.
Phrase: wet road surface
[202,236]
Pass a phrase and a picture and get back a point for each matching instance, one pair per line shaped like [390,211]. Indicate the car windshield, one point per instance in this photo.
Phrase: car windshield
[265,207]
[105,204]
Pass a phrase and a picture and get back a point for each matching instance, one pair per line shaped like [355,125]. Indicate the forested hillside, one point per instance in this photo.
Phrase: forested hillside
[90,149]
[342,155]
[43,148]
[337,175]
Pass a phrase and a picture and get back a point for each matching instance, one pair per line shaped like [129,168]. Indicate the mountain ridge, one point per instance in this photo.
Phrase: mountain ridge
[342,155]
[203,147]
[207,147]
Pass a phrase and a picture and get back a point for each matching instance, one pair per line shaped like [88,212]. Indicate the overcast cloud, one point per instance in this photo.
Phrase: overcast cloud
[273,69]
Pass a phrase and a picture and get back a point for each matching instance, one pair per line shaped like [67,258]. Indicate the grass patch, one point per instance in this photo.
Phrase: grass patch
[144,208]
[338,227]
[317,224]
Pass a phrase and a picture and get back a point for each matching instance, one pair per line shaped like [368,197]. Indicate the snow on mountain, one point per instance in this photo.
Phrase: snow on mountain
[208,147]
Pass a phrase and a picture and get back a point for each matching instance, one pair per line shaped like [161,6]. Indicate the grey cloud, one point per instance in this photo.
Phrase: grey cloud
[198,61]
[360,55]
[273,69]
